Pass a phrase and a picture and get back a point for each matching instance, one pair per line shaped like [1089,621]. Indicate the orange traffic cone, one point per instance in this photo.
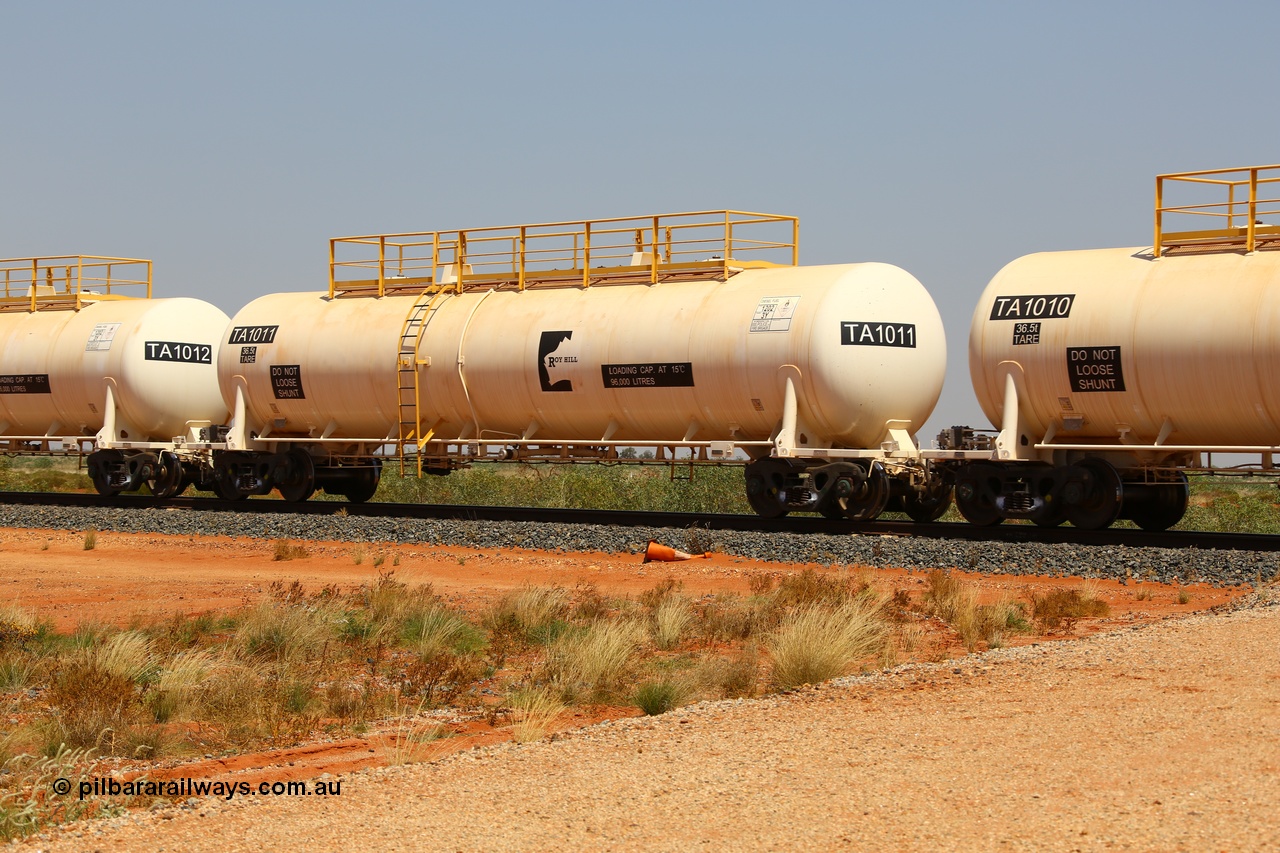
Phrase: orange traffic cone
[657,553]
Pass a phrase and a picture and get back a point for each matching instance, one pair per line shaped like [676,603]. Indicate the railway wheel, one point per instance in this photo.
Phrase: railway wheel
[976,489]
[1094,495]
[860,492]
[930,504]
[225,483]
[1165,507]
[364,484]
[835,483]
[1052,515]
[297,481]
[766,481]
[100,465]
[167,480]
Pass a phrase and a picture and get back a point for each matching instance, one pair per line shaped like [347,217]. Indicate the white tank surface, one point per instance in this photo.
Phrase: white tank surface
[862,343]
[1116,347]
[154,359]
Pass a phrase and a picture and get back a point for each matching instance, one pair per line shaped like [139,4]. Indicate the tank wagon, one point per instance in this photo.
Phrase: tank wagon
[1110,374]
[93,363]
[695,334]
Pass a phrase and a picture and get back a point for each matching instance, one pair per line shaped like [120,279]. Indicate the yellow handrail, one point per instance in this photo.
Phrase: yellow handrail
[578,252]
[65,280]
[1228,214]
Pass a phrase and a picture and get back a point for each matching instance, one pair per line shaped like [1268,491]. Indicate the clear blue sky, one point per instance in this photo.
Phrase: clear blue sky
[230,140]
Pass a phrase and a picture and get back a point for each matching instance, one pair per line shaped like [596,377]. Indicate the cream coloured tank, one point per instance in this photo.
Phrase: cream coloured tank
[1111,342]
[158,357]
[699,360]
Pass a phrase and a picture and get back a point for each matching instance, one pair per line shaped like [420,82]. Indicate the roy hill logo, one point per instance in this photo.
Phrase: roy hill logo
[555,362]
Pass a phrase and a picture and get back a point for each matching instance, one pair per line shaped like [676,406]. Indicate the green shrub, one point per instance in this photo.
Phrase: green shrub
[660,696]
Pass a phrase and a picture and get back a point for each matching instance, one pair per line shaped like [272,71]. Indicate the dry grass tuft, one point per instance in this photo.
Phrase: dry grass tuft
[590,661]
[1060,606]
[728,618]
[808,587]
[437,629]
[283,632]
[533,610]
[733,677]
[816,643]
[534,709]
[178,683]
[412,741]
[671,619]
[25,804]
[91,540]
[956,603]
[127,655]
[17,626]
[284,550]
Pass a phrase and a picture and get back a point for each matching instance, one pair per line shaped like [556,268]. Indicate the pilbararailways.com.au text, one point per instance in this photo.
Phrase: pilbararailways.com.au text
[108,787]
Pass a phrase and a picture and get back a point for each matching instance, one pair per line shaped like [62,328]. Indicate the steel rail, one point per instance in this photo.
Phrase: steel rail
[1017,533]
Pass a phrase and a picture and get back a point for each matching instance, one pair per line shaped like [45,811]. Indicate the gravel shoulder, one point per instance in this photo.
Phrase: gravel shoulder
[1156,737]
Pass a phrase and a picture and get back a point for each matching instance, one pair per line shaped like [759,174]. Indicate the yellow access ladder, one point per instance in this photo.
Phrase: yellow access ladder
[407,364]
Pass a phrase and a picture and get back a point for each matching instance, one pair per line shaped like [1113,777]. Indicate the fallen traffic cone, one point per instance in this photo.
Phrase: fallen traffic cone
[658,553]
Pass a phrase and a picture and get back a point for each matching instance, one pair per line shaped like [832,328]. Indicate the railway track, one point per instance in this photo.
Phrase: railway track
[1008,533]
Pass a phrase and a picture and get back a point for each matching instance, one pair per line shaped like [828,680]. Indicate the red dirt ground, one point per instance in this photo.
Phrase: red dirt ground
[129,577]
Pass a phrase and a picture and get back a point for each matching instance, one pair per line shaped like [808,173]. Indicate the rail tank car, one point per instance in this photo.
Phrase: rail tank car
[800,368]
[87,364]
[1110,373]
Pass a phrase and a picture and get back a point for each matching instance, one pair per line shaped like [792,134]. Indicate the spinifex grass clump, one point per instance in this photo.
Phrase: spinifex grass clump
[533,710]
[590,661]
[671,620]
[817,642]
[536,613]
[659,695]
